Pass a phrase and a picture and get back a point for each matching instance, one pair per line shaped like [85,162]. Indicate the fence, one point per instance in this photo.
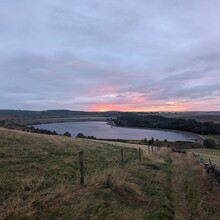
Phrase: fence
[149,149]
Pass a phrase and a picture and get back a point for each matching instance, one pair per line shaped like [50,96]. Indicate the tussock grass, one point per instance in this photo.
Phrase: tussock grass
[39,179]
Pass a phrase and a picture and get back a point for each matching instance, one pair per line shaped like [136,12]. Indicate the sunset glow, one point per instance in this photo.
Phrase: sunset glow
[115,107]
[121,55]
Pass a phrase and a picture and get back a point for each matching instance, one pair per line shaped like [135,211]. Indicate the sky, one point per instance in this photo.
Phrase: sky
[96,55]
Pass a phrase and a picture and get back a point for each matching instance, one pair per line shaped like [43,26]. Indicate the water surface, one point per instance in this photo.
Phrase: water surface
[103,130]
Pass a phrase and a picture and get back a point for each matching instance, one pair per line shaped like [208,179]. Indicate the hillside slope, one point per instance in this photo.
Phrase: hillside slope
[39,179]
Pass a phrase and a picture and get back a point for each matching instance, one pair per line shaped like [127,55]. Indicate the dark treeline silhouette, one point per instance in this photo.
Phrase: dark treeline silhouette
[81,135]
[41,131]
[157,121]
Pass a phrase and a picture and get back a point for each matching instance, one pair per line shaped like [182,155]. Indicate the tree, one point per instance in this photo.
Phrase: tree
[67,134]
[80,135]
[209,143]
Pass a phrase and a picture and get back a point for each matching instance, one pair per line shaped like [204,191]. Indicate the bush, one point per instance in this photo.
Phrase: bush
[209,143]
[67,134]
[91,137]
[81,135]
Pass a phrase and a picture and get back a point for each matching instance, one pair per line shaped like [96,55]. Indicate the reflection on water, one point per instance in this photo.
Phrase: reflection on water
[103,130]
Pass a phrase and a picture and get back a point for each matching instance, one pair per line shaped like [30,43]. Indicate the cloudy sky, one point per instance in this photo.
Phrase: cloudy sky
[123,55]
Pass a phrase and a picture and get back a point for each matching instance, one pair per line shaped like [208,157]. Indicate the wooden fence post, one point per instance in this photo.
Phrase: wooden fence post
[210,162]
[81,168]
[122,157]
[140,154]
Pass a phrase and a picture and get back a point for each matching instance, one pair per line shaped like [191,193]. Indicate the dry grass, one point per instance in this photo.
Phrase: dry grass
[39,179]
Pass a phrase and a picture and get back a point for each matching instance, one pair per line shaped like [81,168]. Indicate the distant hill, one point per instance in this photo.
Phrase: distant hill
[52,113]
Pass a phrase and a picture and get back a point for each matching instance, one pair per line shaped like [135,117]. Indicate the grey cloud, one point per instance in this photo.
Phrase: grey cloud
[93,51]
[62,78]
[208,58]
[194,73]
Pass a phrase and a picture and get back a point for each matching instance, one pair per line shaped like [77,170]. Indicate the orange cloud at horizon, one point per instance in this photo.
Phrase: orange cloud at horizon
[127,108]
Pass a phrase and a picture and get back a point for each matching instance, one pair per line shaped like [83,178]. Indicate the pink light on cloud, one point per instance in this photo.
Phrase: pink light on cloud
[137,102]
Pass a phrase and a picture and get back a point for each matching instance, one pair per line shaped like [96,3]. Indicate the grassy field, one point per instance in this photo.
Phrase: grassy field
[39,179]
[206,154]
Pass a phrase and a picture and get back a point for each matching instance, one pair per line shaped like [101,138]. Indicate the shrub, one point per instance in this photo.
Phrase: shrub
[209,143]
[81,135]
[91,137]
[67,134]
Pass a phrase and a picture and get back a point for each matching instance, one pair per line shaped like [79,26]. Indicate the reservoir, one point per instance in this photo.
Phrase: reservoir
[100,129]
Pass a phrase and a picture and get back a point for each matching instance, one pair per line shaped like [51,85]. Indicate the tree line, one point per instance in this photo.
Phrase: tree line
[160,122]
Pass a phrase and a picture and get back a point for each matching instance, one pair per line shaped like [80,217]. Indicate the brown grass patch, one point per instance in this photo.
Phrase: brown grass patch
[193,192]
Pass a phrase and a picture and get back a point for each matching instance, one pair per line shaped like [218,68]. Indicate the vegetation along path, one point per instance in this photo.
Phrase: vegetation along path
[39,179]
